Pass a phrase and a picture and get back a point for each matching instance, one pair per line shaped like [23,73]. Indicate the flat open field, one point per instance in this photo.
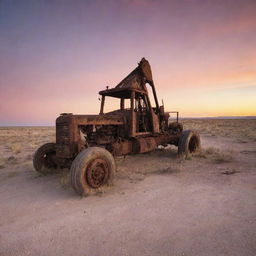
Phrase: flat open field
[160,204]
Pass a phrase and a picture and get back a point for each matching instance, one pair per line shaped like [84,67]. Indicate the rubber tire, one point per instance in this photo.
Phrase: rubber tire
[79,165]
[184,147]
[39,159]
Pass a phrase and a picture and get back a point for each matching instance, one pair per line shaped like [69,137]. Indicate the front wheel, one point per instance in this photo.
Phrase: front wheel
[92,169]
[189,143]
[44,159]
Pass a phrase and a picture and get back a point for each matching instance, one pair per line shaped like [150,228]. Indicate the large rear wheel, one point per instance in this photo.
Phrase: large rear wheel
[189,143]
[92,169]
[44,159]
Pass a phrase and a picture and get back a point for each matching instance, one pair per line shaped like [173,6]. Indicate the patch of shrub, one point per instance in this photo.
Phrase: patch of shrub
[16,148]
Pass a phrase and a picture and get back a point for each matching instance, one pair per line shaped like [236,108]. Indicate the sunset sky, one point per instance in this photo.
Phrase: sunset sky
[56,55]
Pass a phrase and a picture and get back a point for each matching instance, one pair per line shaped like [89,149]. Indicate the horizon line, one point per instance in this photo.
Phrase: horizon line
[181,118]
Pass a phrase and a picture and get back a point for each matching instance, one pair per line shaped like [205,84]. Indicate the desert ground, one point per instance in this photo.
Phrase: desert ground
[160,204]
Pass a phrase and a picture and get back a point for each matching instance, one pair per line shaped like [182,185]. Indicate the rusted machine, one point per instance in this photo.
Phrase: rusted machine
[87,144]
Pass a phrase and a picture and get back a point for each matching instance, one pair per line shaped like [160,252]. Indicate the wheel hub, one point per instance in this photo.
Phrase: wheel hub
[193,145]
[97,173]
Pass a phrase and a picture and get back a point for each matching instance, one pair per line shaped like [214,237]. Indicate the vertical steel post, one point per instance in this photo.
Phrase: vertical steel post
[122,104]
[133,118]
[102,104]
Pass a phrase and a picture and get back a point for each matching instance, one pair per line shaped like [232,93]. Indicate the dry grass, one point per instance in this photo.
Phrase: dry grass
[2,162]
[64,178]
[12,174]
[16,148]
[15,137]
[242,130]
[12,160]
[216,155]
[168,170]
[18,144]
[221,157]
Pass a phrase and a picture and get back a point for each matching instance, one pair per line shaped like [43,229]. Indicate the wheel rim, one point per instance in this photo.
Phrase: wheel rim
[97,173]
[193,144]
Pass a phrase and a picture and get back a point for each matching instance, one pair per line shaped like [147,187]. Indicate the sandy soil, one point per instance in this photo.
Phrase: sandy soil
[159,205]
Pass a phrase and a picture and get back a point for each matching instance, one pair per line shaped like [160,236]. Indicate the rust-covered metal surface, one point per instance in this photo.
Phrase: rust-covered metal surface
[136,128]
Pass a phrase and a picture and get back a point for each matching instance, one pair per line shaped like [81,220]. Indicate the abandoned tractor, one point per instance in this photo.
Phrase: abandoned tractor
[87,144]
